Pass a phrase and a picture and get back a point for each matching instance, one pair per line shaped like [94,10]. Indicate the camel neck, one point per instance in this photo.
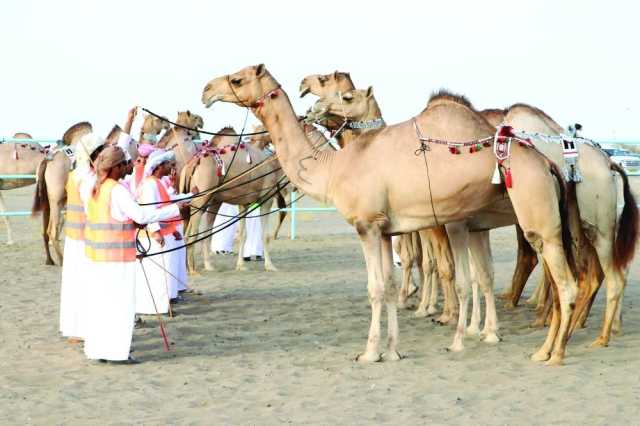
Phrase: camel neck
[306,167]
[370,121]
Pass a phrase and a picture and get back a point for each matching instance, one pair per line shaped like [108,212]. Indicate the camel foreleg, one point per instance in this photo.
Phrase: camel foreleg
[6,220]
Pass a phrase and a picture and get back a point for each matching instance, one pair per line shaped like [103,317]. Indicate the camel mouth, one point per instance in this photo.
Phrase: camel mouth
[211,100]
[304,91]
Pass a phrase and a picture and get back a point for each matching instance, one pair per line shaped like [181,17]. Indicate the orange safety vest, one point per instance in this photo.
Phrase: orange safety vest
[75,218]
[166,227]
[107,239]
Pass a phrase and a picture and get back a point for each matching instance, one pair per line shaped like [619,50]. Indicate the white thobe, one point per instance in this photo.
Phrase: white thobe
[222,240]
[111,286]
[253,241]
[72,286]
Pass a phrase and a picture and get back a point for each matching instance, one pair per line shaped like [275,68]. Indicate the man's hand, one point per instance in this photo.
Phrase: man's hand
[177,236]
[195,190]
[132,113]
[158,237]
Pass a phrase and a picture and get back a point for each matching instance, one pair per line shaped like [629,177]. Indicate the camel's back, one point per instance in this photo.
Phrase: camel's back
[19,159]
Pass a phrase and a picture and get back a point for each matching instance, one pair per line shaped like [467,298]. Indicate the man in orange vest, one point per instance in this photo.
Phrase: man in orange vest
[72,296]
[110,245]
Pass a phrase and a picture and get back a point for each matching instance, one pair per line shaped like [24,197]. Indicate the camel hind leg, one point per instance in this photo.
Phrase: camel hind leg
[3,209]
[56,225]
[209,218]
[480,251]
[429,295]
[265,210]
[242,233]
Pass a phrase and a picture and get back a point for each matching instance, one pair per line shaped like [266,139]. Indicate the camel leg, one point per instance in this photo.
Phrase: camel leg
[616,326]
[482,261]
[209,217]
[539,295]
[6,220]
[46,216]
[390,297]
[428,281]
[265,209]
[446,275]
[370,238]
[190,235]
[459,239]
[474,323]
[407,260]
[56,225]
[525,264]
[242,233]
[614,280]
[592,279]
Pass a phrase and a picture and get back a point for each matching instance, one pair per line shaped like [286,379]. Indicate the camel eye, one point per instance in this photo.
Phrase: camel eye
[236,81]
[348,97]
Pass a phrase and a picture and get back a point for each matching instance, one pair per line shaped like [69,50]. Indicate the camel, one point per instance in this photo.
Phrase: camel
[225,158]
[325,85]
[51,195]
[382,188]
[191,120]
[610,247]
[17,159]
[362,113]
[152,126]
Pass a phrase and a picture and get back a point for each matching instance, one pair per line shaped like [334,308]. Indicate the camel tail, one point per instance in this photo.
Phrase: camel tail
[40,197]
[567,199]
[626,238]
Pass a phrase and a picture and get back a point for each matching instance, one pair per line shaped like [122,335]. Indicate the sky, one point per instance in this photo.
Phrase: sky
[70,61]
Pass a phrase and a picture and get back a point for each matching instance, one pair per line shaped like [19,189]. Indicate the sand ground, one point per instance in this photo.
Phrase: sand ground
[271,348]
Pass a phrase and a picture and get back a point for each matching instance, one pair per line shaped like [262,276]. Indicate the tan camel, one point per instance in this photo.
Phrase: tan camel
[17,159]
[325,85]
[51,195]
[181,142]
[191,120]
[152,126]
[226,158]
[362,113]
[383,188]
[611,246]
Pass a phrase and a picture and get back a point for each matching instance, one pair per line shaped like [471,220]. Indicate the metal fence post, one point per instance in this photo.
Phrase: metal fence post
[292,232]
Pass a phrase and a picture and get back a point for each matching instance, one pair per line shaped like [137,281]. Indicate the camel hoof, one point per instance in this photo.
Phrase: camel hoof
[49,262]
[432,311]
[555,360]
[420,313]
[367,357]
[504,296]
[473,330]
[208,267]
[270,268]
[537,324]
[616,327]
[391,356]
[600,342]
[509,305]
[540,356]
[490,338]
[241,267]
[456,347]
[194,274]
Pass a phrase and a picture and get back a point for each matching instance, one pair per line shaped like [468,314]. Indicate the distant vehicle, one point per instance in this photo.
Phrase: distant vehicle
[628,160]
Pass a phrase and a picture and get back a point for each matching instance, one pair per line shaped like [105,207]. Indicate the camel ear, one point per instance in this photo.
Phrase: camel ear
[260,70]
[370,92]
[336,75]
[188,113]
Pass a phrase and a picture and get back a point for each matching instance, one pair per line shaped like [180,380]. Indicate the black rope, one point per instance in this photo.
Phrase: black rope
[423,150]
[198,130]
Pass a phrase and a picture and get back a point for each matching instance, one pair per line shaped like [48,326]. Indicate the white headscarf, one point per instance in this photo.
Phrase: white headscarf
[87,146]
[155,159]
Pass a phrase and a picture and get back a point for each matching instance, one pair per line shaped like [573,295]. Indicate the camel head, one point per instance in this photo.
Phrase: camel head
[353,105]
[226,136]
[323,85]
[247,87]
[117,137]
[22,135]
[189,119]
[75,132]
[260,141]
[151,128]
[494,116]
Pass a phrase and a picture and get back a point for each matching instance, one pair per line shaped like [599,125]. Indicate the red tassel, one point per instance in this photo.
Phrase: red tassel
[508,180]
[219,171]
[472,149]
[486,144]
[222,151]
[241,146]
[233,148]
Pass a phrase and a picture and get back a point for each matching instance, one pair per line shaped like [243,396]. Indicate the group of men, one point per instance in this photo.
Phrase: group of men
[110,196]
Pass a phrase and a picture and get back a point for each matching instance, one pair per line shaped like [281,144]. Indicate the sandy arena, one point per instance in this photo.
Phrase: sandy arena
[271,348]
